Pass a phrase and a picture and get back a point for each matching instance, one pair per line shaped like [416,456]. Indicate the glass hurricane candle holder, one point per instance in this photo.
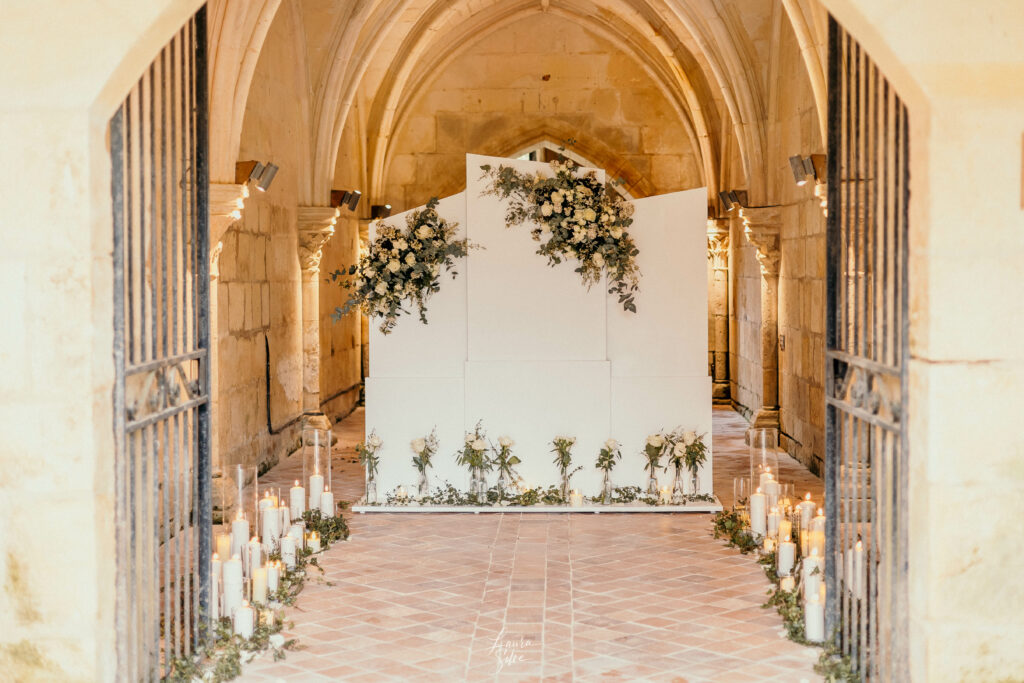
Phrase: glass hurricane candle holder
[241,489]
[316,463]
[764,455]
[740,491]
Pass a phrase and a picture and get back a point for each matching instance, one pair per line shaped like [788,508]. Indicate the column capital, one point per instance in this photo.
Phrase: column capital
[718,243]
[316,227]
[226,203]
[763,226]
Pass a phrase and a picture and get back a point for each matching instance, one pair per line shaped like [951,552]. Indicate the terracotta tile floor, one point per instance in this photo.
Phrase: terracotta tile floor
[554,597]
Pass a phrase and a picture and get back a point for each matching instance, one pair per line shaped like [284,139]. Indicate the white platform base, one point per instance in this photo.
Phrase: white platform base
[515,509]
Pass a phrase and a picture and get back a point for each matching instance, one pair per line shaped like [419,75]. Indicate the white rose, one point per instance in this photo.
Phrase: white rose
[423,232]
[401,244]
[544,227]
[611,444]
[656,440]
[370,272]
[375,441]
[469,439]
[590,215]
[568,195]
[598,260]
[616,232]
[689,437]
[435,269]
[394,265]
[546,209]
[679,450]
[556,198]
[506,442]
[381,288]
[418,445]
[410,259]
[591,234]
[479,445]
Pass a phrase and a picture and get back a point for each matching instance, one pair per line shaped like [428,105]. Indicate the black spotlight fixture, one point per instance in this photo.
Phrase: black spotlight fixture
[347,198]
[378,211]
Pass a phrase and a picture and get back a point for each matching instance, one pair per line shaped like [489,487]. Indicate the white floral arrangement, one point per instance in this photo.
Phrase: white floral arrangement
[577,219]
[402,266]
[424,449]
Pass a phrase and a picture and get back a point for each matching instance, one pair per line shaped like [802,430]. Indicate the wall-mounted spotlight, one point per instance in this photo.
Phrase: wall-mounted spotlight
[804,168]
[346,198]
[733,198]
[378,211]
[255,172]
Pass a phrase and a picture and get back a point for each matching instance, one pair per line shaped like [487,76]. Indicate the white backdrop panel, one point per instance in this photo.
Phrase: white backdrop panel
[519,308]
[668,335]
[645,405]
[401,409]
[437,349]
[533,402]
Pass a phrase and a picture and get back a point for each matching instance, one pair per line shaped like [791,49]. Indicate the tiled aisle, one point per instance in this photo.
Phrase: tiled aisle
[507,597]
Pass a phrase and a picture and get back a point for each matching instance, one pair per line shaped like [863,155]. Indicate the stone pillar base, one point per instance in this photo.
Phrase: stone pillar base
[720,392]
[766,418]
[316,420]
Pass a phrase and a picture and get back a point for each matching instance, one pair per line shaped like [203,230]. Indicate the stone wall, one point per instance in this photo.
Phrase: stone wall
[795,130]
[541,77]
[746,387]
[260,286]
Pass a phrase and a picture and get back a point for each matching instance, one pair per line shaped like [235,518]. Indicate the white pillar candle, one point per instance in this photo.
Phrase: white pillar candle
[298,534]
[316,487]
[812,572]
[259,585]
[787,583]
[327,503]
[271,527]
[215,568]
[576,499]
[245,620]
[814,620]
[785,557]
[766,476]
[233,584]
[769,544]
[273,576]
[297,500]
[239,535]
[288,551]
[772,489]
[806,512]
[255,556]
[818,522]
[313,541]
[285,520]
[772,520]
[214,595]
[224,545]
[758,509]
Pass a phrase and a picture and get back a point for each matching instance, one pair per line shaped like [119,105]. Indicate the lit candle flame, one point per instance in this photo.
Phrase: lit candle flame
[808,496]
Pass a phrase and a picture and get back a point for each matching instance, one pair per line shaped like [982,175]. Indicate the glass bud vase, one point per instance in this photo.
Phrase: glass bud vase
[371,491]
[694,484]
[424,484]
[607,490]
[652,484]
[503,484]
[565,487]
[678,494]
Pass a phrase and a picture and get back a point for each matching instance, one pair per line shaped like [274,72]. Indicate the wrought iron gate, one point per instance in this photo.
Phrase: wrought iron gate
[866,364]
[158,143]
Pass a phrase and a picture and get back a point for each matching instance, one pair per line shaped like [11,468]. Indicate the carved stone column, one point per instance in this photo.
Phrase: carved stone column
[762,227]
[316,227]
[718,318]
[227,200]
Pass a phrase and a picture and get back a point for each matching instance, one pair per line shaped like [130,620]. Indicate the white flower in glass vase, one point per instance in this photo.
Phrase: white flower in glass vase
[424,231]
[611,444]
[546,209]
[401,244]
[394,265]
[410,258]
[679,450]
[616,233]
[556,198]
[598,260]
[381,287]
[470,438]
[479,445]
[689,437]
[591,234]
[590,215]
[375,441]
[370,272]
[656,440]
[506,442]
[418,445]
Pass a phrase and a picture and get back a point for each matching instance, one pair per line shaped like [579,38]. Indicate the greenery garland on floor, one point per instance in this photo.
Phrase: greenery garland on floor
[221,657]
[448,495]
[832,665]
